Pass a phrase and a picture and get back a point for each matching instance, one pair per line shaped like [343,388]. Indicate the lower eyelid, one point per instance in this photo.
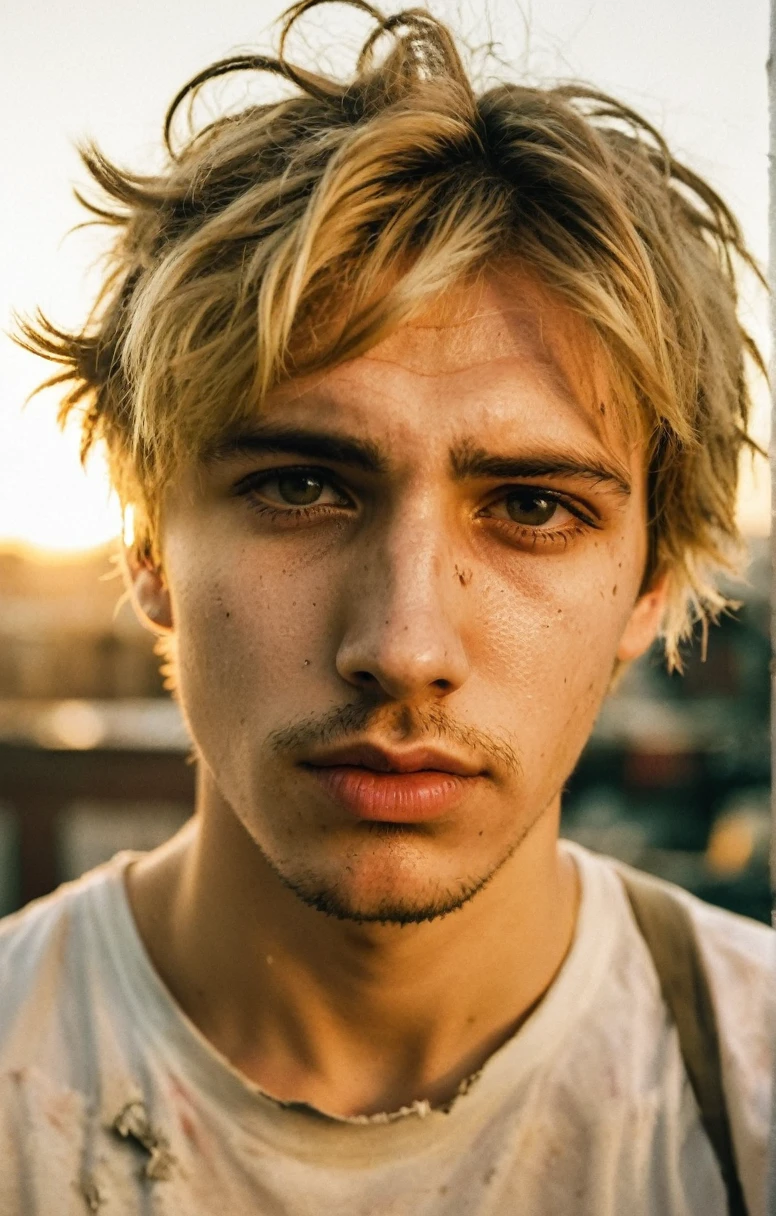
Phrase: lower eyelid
[289,514]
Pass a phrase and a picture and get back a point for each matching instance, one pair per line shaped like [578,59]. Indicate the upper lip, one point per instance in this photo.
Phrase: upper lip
[383,760]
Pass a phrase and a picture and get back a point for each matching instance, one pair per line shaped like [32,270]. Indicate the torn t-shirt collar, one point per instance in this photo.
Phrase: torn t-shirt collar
[153,1017]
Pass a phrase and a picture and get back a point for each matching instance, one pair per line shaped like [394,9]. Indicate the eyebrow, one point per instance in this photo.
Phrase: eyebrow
[316,445]
[469,462]
[466,460]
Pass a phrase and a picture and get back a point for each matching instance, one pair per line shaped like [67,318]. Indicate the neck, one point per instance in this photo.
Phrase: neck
[351,1018]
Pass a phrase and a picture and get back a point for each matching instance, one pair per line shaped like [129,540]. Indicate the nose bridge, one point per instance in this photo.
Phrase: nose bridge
[403,621]
[411,559]
[415,562]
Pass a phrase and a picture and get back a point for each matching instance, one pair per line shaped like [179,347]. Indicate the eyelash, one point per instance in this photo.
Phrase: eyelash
[249,485]
[292,516]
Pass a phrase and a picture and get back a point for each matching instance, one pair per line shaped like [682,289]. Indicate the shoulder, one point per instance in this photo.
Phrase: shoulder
[739,958]
[30,936]
[736,949]
[740,961]
[45,950]
[25,932]
[738,952]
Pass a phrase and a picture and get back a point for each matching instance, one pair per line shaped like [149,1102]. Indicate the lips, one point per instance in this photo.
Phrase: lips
[382,786]
[383,760]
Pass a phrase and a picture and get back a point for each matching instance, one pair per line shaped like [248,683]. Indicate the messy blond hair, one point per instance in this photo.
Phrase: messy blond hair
[288,237]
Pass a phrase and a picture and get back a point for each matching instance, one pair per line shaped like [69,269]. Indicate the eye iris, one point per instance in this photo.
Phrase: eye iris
[299,489]
[531,509]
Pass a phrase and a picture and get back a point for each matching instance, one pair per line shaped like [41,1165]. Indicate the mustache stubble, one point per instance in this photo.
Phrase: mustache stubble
[418,725]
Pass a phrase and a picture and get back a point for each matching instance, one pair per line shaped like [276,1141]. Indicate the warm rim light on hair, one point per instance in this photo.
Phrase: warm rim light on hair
[376,196]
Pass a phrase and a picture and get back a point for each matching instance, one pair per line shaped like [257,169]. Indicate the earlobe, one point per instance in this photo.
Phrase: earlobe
[644,622]
[149,594]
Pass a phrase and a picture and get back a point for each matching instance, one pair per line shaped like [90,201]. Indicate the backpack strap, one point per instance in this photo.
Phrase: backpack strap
[667,929]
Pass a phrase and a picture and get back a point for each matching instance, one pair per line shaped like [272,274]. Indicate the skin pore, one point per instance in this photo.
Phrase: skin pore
[440,543]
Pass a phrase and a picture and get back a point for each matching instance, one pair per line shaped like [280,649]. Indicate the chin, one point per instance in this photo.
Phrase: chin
[399,888]
[387,908]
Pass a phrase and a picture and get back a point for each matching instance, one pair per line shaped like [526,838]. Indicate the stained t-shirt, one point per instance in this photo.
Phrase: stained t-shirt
[111,1101]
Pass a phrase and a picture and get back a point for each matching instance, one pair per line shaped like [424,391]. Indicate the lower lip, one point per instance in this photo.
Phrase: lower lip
[393,797]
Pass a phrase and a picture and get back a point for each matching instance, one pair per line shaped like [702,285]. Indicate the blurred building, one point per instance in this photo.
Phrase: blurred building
[93,753]
[94,756]
[65,634]
[676,778]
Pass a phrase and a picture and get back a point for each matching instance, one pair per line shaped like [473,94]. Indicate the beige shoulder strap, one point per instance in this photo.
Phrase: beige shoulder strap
[667,929]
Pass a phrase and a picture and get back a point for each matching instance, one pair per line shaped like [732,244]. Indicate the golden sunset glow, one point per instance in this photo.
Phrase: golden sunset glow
[47,500]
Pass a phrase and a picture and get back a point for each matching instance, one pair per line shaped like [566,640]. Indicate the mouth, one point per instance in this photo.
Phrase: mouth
[375,785]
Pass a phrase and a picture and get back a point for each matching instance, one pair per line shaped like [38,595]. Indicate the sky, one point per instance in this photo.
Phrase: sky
[696,68]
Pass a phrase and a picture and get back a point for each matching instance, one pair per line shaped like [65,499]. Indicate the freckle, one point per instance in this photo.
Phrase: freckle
[614,589]
[602,407]
[228,615]
[481,833]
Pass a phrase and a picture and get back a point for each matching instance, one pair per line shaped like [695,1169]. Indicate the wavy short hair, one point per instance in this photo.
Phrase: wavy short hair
[290,236]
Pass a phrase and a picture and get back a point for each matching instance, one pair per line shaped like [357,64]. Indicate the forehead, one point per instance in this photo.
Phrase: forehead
[499,317]
[495,355]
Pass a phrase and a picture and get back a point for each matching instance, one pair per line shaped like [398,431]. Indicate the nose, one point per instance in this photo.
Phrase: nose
[403,613]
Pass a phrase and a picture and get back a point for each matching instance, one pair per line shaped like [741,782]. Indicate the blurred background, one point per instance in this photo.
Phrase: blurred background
[93,754]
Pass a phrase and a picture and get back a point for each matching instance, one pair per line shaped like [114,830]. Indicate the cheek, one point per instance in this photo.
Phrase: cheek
[244,634]
[549,667]
[548,632]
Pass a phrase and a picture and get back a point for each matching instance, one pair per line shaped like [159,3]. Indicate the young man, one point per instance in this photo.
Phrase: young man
[427,408]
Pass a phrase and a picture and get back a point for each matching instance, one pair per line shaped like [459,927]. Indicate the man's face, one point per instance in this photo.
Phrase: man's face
[437,545]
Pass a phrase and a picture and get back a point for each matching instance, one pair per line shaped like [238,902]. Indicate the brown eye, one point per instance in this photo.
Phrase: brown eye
[531,509]
[299,489]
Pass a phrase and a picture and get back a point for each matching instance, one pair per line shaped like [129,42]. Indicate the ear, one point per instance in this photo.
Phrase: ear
[148,592]
[644,621]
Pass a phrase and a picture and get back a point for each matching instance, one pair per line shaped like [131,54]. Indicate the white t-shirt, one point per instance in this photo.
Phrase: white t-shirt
[586,1110]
